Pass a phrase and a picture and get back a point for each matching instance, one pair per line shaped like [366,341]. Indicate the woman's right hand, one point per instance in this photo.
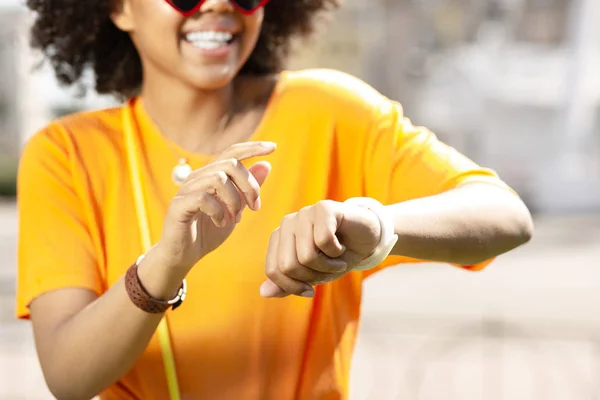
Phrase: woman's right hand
[210,202]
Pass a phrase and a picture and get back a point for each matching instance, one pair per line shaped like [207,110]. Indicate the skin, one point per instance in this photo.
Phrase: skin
[317,244]
[200,93]
[201,90]
[464,226]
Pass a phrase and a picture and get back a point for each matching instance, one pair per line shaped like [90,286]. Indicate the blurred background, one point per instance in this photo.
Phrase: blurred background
[513,84]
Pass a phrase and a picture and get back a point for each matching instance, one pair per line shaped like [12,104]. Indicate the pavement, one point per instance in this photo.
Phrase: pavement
[526,328]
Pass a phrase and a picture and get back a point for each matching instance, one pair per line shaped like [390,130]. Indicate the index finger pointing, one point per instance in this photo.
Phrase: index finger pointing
[246,150]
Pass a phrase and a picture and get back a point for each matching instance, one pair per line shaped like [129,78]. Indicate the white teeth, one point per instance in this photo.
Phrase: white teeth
[208,39]
[207,45]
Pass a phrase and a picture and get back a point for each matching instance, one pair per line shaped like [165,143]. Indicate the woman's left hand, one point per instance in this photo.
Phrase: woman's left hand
[318,244]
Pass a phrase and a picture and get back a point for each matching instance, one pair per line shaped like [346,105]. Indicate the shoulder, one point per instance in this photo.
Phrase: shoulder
[332,89]
[77,149]
[86,125]
[82,132]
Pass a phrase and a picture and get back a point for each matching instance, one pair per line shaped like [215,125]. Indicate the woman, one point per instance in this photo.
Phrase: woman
[231,175]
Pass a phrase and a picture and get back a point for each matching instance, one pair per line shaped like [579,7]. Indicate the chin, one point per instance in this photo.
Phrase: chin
[212,80]
[210,84]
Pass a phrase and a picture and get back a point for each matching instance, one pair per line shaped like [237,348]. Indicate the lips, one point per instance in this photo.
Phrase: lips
[215,25]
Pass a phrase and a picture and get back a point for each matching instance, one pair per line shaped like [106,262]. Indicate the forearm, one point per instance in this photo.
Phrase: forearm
[98,345]
[463,226]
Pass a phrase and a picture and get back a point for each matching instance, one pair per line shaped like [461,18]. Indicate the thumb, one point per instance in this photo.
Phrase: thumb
[269,289]
[260,171]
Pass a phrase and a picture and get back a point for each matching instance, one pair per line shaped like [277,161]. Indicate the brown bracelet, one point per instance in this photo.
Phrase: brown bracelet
[143,300]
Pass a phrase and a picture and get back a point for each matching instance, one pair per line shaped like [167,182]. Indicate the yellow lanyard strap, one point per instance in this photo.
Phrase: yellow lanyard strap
[142,217]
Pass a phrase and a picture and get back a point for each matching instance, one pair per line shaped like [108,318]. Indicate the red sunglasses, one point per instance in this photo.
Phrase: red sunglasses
[189,7]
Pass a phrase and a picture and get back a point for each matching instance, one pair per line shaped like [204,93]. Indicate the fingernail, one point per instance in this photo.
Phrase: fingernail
[308,293]
[238,217]
[268,145]
[257,203]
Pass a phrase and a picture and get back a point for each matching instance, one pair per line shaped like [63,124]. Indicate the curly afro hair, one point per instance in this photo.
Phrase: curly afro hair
[75,35]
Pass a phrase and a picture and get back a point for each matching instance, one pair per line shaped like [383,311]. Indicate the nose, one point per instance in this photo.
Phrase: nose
[217,6]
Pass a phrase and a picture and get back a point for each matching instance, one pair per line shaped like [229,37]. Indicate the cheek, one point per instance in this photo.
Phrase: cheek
[255,21]
[252,27]
[156,26]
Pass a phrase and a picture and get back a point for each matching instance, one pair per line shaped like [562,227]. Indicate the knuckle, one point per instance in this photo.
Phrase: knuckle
[274,234]
[187,186]
[305,211]
[220,177]
[288,220]
[323,239]
[233,163]
[203,200]
[202,196]
[287,266]
[307,257]
[306,208]
[178,198]
[323,205]
[271,272]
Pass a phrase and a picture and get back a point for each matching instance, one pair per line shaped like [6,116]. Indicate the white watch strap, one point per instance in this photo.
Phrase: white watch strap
[388,237]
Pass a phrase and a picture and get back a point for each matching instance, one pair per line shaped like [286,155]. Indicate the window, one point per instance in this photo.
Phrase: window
[543,21]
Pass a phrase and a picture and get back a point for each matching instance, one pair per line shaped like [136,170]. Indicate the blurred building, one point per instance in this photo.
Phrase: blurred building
[9,127]
[29,94]
[514,84]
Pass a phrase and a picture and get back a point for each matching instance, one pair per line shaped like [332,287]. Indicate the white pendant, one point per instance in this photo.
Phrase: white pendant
[181,172]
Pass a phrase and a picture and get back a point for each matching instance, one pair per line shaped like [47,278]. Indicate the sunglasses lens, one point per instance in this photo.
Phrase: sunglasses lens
[248,5]
[185,6]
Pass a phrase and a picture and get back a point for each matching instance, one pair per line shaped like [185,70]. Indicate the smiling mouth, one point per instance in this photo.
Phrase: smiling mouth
[210,40]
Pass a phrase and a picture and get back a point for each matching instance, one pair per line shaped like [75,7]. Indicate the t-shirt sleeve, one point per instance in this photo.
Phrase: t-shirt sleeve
[55,248]
[404,162]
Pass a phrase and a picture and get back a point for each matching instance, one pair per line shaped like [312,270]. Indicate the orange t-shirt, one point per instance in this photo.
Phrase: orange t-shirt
[337,138]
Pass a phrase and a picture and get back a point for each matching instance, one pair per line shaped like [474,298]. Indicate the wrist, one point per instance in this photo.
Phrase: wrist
[171,260]
[160,279]
[387,237]
[359,230]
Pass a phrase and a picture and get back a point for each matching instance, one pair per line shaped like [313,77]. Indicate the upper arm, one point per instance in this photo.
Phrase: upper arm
[48,312]
[403,162]
[55,247]
[381,153]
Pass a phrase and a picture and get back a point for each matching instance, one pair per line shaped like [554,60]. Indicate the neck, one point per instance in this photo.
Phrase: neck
[185,115]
